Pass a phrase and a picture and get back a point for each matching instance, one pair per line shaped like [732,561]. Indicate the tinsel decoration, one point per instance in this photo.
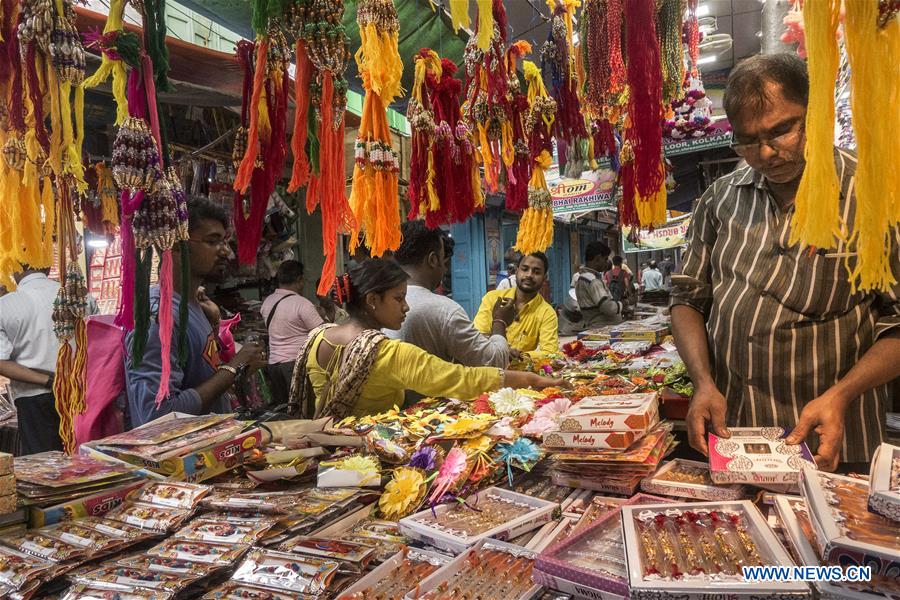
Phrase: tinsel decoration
[874,52]
[487,98]
[374,197]
[669,26]
[516,154]
[558,68]
[445,186]
[605,77]
[816,207]
[111,63]
[536,225]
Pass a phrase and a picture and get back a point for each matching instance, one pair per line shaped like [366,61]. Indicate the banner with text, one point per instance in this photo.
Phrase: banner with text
[593,191]
[671,236]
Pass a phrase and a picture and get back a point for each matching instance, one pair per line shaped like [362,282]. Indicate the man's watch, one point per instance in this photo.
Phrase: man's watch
[228,368]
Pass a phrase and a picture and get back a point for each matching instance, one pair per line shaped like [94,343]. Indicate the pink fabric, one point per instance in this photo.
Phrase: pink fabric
[226,338]
[294,318]
[165,325]
[104,381]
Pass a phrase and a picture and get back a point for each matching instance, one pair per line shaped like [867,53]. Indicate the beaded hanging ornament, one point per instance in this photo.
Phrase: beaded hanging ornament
[374,198]
[557,66]
[669,26]
[135,156]
[516,153]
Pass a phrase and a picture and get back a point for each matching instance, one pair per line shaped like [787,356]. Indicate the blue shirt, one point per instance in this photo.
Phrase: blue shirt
[142,381]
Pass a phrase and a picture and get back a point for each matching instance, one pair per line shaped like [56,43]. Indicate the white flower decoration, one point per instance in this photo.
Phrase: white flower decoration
[509,402]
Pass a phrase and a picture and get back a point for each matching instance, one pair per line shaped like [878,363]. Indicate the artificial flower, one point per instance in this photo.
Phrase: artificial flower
[522,453]
[503,429]
[403,493]
[466,424]
[482,405]
[475,445]
[553,410]
[449,475]
[424,458]
[511,402]
[537,426]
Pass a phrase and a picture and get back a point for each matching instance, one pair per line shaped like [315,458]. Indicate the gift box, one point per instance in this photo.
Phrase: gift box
[845,534]
[690,479]
[422,562]
[605,440]
[6,463]
[88,506]
[653,334]
[554,567]
[793,514]
[884,482]
[623,412]
[737,525]
[758,456]
[425,526]
[520,586]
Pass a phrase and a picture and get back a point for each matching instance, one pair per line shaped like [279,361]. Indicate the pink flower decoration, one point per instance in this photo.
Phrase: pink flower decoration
[449,474]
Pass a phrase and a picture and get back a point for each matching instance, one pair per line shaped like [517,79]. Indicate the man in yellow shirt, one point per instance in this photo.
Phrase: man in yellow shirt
[534,330]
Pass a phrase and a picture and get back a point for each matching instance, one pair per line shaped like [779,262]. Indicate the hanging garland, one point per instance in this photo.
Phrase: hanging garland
[669,27]
[375,193]
[445,186]
[558,67]
[536,226]
[605,77]
[516,153]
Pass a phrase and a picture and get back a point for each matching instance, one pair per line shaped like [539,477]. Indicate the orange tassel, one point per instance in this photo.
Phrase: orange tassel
[300,170]
[245,171]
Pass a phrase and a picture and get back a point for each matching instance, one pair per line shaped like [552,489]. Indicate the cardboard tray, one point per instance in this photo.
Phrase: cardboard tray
[439,576]
[807,554]
[542,513]
[882,499]
[706,589]
[389,566]
[652,484]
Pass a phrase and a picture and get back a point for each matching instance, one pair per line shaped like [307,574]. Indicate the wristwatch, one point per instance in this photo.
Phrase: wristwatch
[228,368]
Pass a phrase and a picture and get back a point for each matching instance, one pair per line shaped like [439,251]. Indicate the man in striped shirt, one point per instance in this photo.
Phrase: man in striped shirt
[772,334]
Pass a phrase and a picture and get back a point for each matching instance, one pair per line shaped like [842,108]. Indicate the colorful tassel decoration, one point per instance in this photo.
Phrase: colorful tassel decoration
[816,212]
[374,198]
[669,26]
[111,63]
[459,14]
[558,67]
[516,154]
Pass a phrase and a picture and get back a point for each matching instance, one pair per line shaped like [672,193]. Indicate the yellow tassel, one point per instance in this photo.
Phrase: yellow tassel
[116,68]
[459,14]
[485,24]
[874,97]
[816,213]
[434,203]
[48,209]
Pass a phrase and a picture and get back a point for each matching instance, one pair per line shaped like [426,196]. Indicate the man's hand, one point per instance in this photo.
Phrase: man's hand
[253,354]
[505,310]
[514,354]
[825,416]
[707,412]
[210,309]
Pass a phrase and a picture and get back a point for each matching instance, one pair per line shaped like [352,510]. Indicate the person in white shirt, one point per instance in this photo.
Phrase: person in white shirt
[289,319]
[652,278]
[28,349]
[509,281]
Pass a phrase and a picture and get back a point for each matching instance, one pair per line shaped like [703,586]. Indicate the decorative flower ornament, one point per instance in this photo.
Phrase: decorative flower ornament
[403,493]
[510,402]
[450,474]
[522,453]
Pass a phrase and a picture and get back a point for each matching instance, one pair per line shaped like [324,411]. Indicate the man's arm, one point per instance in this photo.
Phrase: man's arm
[16,372]
[470,347]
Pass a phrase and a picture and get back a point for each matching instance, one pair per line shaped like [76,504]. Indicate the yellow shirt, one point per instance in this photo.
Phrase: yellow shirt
[399,367]
[535,332]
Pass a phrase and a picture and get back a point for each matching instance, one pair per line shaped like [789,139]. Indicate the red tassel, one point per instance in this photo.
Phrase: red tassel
[300,171]
[245,171]
[645,83]
[165,325]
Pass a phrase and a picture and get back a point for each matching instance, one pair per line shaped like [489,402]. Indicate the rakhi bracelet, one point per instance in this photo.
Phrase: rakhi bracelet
[749,545]
[728,552]
[690,553]
[710,554]
[648,545]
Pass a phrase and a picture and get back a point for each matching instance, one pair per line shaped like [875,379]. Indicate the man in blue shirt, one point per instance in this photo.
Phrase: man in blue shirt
[198,388]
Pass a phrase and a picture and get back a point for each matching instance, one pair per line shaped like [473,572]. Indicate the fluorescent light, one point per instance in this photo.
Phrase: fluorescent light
[705,60]
[98,243]
[702,10]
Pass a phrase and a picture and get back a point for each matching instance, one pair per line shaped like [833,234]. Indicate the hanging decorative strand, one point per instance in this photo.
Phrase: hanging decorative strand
[816,211]
[111,64]
[375,193]
[558,67]
[459,14]
[516,154]
[669,26]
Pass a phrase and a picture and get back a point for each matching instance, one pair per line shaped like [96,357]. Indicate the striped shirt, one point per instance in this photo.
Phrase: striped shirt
[782,323]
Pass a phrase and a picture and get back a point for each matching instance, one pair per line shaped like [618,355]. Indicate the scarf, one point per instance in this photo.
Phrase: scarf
[342,394]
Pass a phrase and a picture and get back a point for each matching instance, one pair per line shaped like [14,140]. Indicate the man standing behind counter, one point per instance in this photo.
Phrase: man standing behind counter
[436,323]
[534,330]
[772,334]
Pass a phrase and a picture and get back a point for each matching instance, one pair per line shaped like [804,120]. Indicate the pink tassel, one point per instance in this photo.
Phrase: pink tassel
[165,324]
[150,89]
[125,316]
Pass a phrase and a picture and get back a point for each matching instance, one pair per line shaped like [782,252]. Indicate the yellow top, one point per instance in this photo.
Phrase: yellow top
[399,367]
[535,332]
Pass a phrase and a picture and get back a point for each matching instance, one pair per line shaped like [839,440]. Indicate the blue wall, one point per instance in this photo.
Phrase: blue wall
[469,265]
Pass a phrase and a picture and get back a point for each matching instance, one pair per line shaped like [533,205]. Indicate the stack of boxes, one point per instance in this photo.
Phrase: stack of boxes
[7,484]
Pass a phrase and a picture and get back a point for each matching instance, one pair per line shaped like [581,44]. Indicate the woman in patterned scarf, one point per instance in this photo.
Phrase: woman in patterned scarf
[354,369]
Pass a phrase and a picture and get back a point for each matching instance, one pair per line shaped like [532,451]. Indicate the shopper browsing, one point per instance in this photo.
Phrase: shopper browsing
[652,278]
[289,319]
[354,369]
[200,387]
[436,323]
[328,309]
[534,330]
[509,280]
[594,304]
[772,333]
[28,349]
[666,266]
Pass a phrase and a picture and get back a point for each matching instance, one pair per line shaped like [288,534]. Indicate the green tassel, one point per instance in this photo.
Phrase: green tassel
[128,45]
[260,17]
[184,249]
[143,266]
[312,139]
[155,35]
[163,135]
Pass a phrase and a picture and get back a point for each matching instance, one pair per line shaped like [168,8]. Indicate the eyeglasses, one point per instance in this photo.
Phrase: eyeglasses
[217,244]
[784,141]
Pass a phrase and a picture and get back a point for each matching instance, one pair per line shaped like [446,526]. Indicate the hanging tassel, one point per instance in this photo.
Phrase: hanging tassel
[485,24]
[143,265]
[459,14]
[110,62]
[248,163]
[61,389]
[669,31]
[300,169]
[816,212]
[164,317]
[78,368]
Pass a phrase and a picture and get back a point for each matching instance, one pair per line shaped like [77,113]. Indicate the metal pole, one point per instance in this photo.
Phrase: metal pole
[773,13]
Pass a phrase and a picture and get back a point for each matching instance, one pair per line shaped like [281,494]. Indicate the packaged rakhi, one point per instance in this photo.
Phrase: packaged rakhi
[149,516]
[286,572]
[134,578]
[111,592]
[269,504]
[354,558]
[846,532]
[18,569]
[204,552]
[797,525]
[696,550]
[491,570]
[395,577]
[224,532]
[758,456]
[884,482]
[81,533]
[130,533]
[690,479]
[37,543]
[174,494]
[57,469]
[173,566]
[233,590]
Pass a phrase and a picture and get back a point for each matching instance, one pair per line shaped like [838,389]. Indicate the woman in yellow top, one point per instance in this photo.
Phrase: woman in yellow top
[354,369]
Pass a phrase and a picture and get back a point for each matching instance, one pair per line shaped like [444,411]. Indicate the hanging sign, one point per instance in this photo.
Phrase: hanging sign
[593,191]
[715,140]
[671,236]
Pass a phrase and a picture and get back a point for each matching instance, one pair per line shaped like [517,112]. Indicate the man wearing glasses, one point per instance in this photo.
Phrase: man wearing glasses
[772,333]
[200,386]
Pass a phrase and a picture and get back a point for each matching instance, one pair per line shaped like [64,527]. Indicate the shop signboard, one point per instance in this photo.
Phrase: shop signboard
[592,191]
[719,139]
[672,235]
